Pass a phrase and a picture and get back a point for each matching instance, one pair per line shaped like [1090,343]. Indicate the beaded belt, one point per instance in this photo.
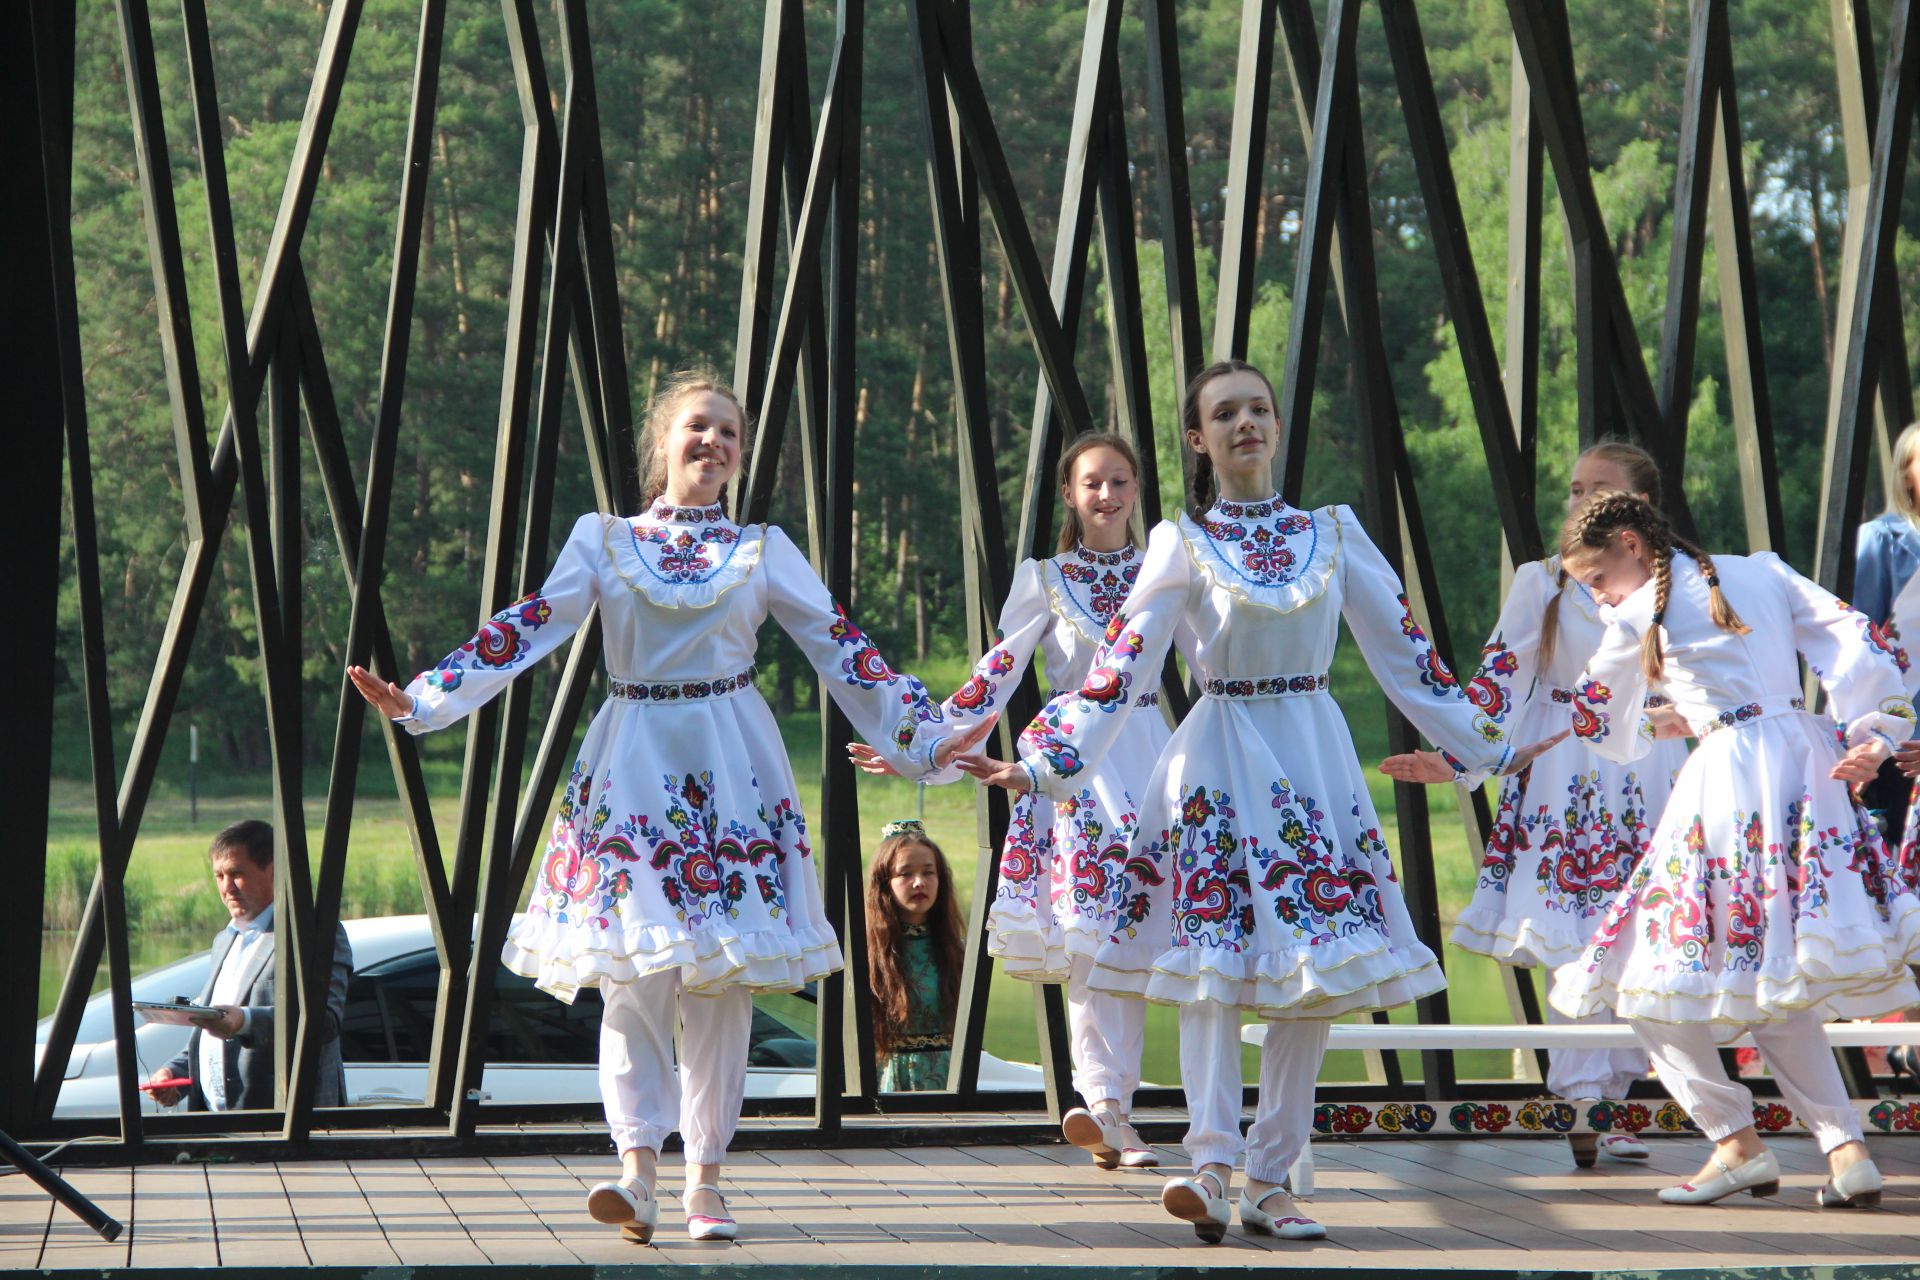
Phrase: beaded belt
[680,690]
[1265,686]
[937,1042]
[1748,714]
[1147,699]
[1566,696]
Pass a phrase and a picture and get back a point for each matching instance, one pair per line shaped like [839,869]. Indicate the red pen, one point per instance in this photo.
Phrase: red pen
[173,1082]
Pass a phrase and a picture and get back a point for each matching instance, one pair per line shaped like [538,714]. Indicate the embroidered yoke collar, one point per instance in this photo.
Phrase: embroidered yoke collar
[683,555]
[1092,585]
[1106,559]
[1268,552]
[665,512]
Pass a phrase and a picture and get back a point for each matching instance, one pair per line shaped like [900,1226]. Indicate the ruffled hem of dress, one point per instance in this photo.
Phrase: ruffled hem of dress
[1302,589]
[772,960]
[1036,950]
[1361,972]
[1525,942]
[1825,974]
[690,595]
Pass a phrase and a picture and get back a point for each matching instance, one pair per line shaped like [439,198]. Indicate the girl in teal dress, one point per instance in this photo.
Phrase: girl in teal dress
[914,955]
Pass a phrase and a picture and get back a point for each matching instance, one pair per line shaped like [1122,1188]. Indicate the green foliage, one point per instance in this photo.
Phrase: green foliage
[676,118]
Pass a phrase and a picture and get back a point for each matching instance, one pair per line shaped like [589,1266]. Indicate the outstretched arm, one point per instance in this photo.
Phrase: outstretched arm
[507,644]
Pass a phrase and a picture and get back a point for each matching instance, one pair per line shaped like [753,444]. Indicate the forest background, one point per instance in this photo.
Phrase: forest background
[676,85]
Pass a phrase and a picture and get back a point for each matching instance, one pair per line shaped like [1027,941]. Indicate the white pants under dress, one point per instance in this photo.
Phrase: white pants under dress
[644,1099]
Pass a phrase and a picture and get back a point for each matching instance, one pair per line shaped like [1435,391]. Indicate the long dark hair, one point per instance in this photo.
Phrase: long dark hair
[886,937]
[1070,530]
[1206,486]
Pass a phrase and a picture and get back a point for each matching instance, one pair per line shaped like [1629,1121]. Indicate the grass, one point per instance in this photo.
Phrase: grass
[172,907]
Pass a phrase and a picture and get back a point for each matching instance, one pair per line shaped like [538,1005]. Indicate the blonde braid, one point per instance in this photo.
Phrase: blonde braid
[1593,526]
[1653,660]
[1718,606]
[1550,622]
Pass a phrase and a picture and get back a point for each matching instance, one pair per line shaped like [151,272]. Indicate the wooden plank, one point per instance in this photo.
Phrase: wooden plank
[173,1216]
[25,1213]
[335,1221]
[70,1243]
[489,1207]
[253,1220]
[419,1226]
[554,1192]
[1621,1198]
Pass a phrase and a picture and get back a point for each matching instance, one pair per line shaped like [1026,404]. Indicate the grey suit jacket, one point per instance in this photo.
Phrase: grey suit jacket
[249,1055]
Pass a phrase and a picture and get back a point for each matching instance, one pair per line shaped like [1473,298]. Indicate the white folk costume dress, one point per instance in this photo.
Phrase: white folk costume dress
[1571,826]
[1258,878]
[679,861]
[1766,898]
[1055,903]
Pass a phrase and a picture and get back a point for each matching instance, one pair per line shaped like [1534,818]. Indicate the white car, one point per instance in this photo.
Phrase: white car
[538,1050]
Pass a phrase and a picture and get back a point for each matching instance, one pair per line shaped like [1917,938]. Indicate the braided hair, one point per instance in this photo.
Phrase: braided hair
[1643,476]
[1594,526]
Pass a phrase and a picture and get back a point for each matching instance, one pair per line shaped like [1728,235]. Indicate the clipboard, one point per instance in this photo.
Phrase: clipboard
[179,1012]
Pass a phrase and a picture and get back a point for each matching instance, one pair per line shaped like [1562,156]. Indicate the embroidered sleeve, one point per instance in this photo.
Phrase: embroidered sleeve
[1404,662]
[1610,697]
[890,710]
[1077,729]
[1864,672]
[1023,622]
[512,640]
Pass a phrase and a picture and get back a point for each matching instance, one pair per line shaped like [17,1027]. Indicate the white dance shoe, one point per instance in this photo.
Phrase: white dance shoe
[1759,1176]
[1288,1226]
[1623,1146]
[1202,1201]
[1856,1188]
[1112,1144]
[626,1204]
[701,1226]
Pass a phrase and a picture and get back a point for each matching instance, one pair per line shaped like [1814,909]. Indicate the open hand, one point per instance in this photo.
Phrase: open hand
[958,744]
[383,694]
[1861,763]
[1418,766]
[867,760]
[995,773]
[1524,756]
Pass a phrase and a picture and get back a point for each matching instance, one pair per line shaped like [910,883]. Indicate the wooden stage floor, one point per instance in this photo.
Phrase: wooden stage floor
[1495,1205]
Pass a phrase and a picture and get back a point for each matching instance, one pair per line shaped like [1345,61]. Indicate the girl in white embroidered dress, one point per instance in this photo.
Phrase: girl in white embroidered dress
[1054,903]
[1766,900]
[1571,828]
[679,870]
[1258,878]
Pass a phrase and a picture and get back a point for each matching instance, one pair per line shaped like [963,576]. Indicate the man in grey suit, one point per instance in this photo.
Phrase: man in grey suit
[230,1058]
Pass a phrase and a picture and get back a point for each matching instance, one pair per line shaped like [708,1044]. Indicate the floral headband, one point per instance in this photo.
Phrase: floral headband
[902,827]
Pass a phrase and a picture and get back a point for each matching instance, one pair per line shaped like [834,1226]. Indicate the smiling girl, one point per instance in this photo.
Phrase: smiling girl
[1054,904]
[1258,878]
[1766,901]
[679,873]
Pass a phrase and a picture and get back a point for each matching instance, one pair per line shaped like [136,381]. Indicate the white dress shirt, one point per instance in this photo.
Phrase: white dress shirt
[253,934]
